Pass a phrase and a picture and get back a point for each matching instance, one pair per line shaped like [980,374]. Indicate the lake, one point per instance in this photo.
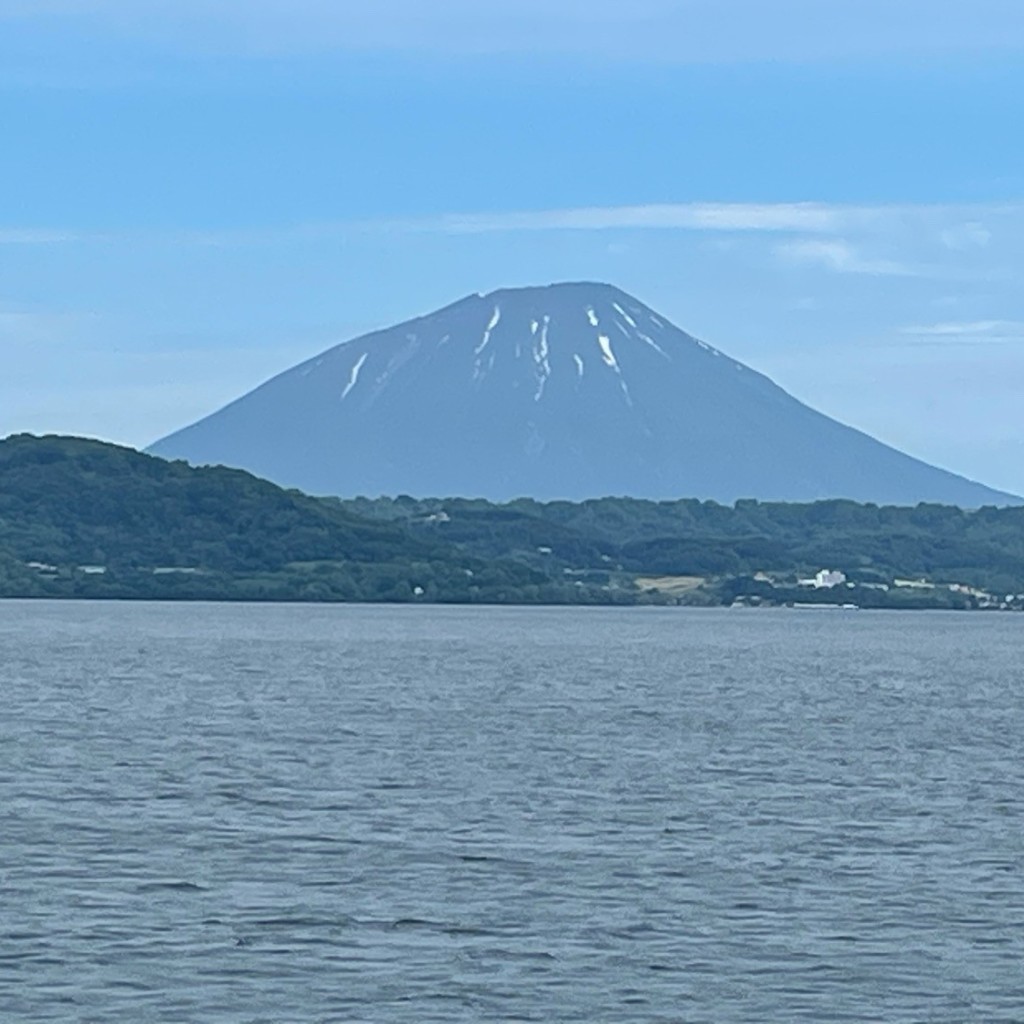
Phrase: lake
[244,813]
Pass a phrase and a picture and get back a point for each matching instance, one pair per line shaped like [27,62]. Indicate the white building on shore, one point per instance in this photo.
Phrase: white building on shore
[825,579]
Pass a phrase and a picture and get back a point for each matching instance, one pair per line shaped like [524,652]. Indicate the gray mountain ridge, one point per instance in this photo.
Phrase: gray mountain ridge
[566,391]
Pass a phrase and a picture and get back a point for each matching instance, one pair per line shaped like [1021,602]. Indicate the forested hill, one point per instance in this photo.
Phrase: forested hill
[85,518]
[870,543]
[82,518]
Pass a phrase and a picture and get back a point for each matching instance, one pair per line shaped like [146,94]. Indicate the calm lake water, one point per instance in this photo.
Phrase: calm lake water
[217,813]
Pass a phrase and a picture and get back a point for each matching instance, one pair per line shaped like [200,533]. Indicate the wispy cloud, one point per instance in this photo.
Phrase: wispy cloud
[668,30]
[838,230]
[957,242]
[793,217]
[840,256]
[971,235]
[968,330]
[803,218]
[35,236]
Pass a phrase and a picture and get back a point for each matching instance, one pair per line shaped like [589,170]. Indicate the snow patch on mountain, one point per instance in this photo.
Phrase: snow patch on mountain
[354,375]
[625,316]
[494,321]
[540,357]
[607,354]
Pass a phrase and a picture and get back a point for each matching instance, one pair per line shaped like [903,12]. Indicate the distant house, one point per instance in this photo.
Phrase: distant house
[42,567]
[830,578]
[825,579]
[920,584]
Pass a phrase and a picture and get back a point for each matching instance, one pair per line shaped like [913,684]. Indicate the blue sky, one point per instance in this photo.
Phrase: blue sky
[196,194]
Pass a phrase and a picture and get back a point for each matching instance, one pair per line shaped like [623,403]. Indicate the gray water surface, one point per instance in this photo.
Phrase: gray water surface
[224,813]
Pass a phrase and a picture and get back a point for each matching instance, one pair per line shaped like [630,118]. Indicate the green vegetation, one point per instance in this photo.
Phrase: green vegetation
[728,547]
[86,519]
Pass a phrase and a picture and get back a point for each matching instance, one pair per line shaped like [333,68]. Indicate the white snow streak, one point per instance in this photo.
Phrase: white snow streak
[606,351]
[354,375]
[625,316]
[592,316]
[540,357]
[478,370]
[579,365]
[650,341]
[609,357]
[487,333]
[540,353]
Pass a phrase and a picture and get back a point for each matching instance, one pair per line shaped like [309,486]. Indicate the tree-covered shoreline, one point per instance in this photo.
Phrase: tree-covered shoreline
[85,519]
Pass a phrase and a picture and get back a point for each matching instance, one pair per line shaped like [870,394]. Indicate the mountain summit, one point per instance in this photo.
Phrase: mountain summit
[566,391]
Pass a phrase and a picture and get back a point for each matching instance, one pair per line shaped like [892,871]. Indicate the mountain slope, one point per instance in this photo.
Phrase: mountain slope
[567,391]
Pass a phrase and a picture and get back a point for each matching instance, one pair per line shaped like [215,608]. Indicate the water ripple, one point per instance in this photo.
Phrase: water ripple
[278,814]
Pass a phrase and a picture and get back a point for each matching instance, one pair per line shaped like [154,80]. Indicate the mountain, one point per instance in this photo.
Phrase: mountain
[567,391]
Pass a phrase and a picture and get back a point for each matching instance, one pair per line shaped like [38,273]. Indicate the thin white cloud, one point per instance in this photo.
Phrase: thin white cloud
[794,217]
[34,236]
[981,329]
[928,221]
[666,30]
[803,218]
[842,257]
[971,235]
[898,240]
